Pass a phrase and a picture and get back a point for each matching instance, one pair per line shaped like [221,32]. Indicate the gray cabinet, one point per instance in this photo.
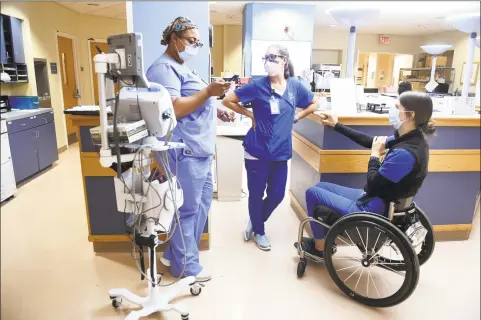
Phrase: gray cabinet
[12,50]
[3,51]
[17,40]
[33,145]
[47,150]
[23,147]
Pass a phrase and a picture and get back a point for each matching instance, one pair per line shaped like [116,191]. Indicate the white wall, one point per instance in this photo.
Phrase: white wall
[336,39]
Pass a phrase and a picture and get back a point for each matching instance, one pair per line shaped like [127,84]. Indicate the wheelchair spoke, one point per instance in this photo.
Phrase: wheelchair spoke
[360,275]
[346,258]
[378,235]
[338,237]
[365,247]
[350,238]
[379,251]
[367,239]
[353,273]
[390,269]
[353,266]
[374,283]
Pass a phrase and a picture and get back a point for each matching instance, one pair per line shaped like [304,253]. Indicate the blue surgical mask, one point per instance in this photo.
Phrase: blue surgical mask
[188,53]
[394,119]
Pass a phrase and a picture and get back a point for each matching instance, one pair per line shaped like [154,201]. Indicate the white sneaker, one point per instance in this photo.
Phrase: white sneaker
[164,261]
[203,276]
[248,230]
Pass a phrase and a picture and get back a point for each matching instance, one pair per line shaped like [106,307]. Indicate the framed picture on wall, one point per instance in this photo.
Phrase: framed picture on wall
[474,74]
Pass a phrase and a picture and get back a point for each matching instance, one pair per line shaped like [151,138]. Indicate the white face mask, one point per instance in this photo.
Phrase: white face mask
[188,53]
[272,68]
[394,119]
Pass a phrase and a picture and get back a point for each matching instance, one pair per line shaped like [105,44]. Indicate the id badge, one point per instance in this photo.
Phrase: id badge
[274,106]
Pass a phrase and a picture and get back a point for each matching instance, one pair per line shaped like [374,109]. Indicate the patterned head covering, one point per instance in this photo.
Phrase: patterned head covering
[179,24]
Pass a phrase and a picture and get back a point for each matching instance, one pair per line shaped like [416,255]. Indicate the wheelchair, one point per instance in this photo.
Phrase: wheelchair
[362,250]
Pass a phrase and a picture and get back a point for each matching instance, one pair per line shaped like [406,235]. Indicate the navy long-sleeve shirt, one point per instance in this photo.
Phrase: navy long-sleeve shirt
[396,165]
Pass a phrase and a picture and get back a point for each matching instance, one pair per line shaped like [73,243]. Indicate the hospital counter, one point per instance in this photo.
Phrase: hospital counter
[450,193]
[106,225]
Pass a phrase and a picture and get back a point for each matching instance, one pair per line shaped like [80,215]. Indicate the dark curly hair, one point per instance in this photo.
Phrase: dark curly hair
[178,26]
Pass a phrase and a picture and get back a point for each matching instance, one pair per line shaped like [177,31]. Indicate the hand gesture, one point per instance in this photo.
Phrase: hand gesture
[378,146]
[218,88]
[329,119]
[225,116]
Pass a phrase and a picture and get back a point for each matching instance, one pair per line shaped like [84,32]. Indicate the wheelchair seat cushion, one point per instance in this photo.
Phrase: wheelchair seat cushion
[326,214]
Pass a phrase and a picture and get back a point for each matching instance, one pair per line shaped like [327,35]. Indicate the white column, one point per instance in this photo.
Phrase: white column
[469,65]
[351,48]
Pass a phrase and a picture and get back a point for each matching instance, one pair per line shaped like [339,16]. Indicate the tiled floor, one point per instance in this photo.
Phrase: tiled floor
[49,271]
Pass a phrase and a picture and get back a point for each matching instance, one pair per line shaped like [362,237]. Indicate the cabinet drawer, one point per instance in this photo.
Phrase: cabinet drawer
[29,122]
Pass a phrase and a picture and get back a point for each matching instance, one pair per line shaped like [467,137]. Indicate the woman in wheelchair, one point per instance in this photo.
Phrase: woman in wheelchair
[398,176]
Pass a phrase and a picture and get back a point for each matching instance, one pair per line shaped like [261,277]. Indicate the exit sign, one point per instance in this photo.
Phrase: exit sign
[384,39]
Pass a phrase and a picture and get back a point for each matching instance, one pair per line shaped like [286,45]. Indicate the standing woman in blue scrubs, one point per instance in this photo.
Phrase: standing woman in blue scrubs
[268,144]
[194,106]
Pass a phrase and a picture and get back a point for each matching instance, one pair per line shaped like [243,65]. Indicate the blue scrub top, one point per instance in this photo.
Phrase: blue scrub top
[272,139]
[198,129]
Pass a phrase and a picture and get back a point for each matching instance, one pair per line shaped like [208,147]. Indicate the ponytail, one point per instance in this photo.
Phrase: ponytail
[288,69]
[428,128]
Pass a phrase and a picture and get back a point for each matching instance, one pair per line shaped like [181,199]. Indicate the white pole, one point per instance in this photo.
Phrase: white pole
[469,65]
[351,47]
[103,113]
[433,68]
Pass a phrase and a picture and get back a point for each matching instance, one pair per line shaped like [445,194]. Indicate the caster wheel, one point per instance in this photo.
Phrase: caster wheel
[186,317]
[116,302]
[301,268]
[195,290]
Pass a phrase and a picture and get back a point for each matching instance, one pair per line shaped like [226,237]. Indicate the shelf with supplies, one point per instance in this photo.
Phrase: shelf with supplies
[419,77]
[17,72]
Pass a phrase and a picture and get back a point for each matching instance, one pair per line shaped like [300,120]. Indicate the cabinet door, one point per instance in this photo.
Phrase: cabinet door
[3,50]
[23,147]
[17,39]
[46,145]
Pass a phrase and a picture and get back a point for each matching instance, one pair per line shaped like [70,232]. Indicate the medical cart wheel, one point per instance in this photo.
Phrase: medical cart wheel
[301,268]
[356,268]
[195,290]
[116,302]
[424,251]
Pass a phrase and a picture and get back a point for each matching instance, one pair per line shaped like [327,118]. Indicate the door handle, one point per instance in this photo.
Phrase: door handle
[45,119]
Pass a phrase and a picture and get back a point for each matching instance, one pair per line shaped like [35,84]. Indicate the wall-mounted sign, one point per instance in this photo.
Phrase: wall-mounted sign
[53,67]
[383,39]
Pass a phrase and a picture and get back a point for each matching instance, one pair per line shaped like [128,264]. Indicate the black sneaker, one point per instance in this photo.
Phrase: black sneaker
[309,246]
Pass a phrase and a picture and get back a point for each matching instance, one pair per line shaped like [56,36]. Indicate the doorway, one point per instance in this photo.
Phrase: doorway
[69,80]
[95,47]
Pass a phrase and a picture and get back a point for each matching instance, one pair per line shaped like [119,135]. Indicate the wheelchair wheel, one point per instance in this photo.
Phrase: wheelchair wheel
[424,251]
[356,268]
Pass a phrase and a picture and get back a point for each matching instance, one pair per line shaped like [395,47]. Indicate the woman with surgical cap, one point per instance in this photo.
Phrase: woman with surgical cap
[194,104]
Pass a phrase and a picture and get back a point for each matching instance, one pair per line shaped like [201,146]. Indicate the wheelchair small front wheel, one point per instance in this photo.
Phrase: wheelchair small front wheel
[356,268]
[301,268]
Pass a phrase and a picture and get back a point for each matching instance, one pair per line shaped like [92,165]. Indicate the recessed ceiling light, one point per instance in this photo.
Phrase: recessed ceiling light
[93,4]
[333,25]
[212,2]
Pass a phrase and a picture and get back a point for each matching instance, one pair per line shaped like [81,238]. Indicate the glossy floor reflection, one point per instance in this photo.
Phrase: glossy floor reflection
[49,270]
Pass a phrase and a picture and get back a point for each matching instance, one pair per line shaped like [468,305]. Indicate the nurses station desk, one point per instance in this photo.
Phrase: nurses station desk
[106,225]
[450,193]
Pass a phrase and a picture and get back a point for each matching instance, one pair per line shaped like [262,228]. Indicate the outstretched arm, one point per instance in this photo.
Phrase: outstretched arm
[361,138]
[358,137]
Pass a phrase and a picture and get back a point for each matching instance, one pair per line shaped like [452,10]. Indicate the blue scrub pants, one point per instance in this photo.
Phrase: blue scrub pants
[338,198]
[262,174]
[195,176]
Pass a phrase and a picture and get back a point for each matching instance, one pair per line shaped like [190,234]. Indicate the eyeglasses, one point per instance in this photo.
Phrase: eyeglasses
[194,42]
[271,57]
